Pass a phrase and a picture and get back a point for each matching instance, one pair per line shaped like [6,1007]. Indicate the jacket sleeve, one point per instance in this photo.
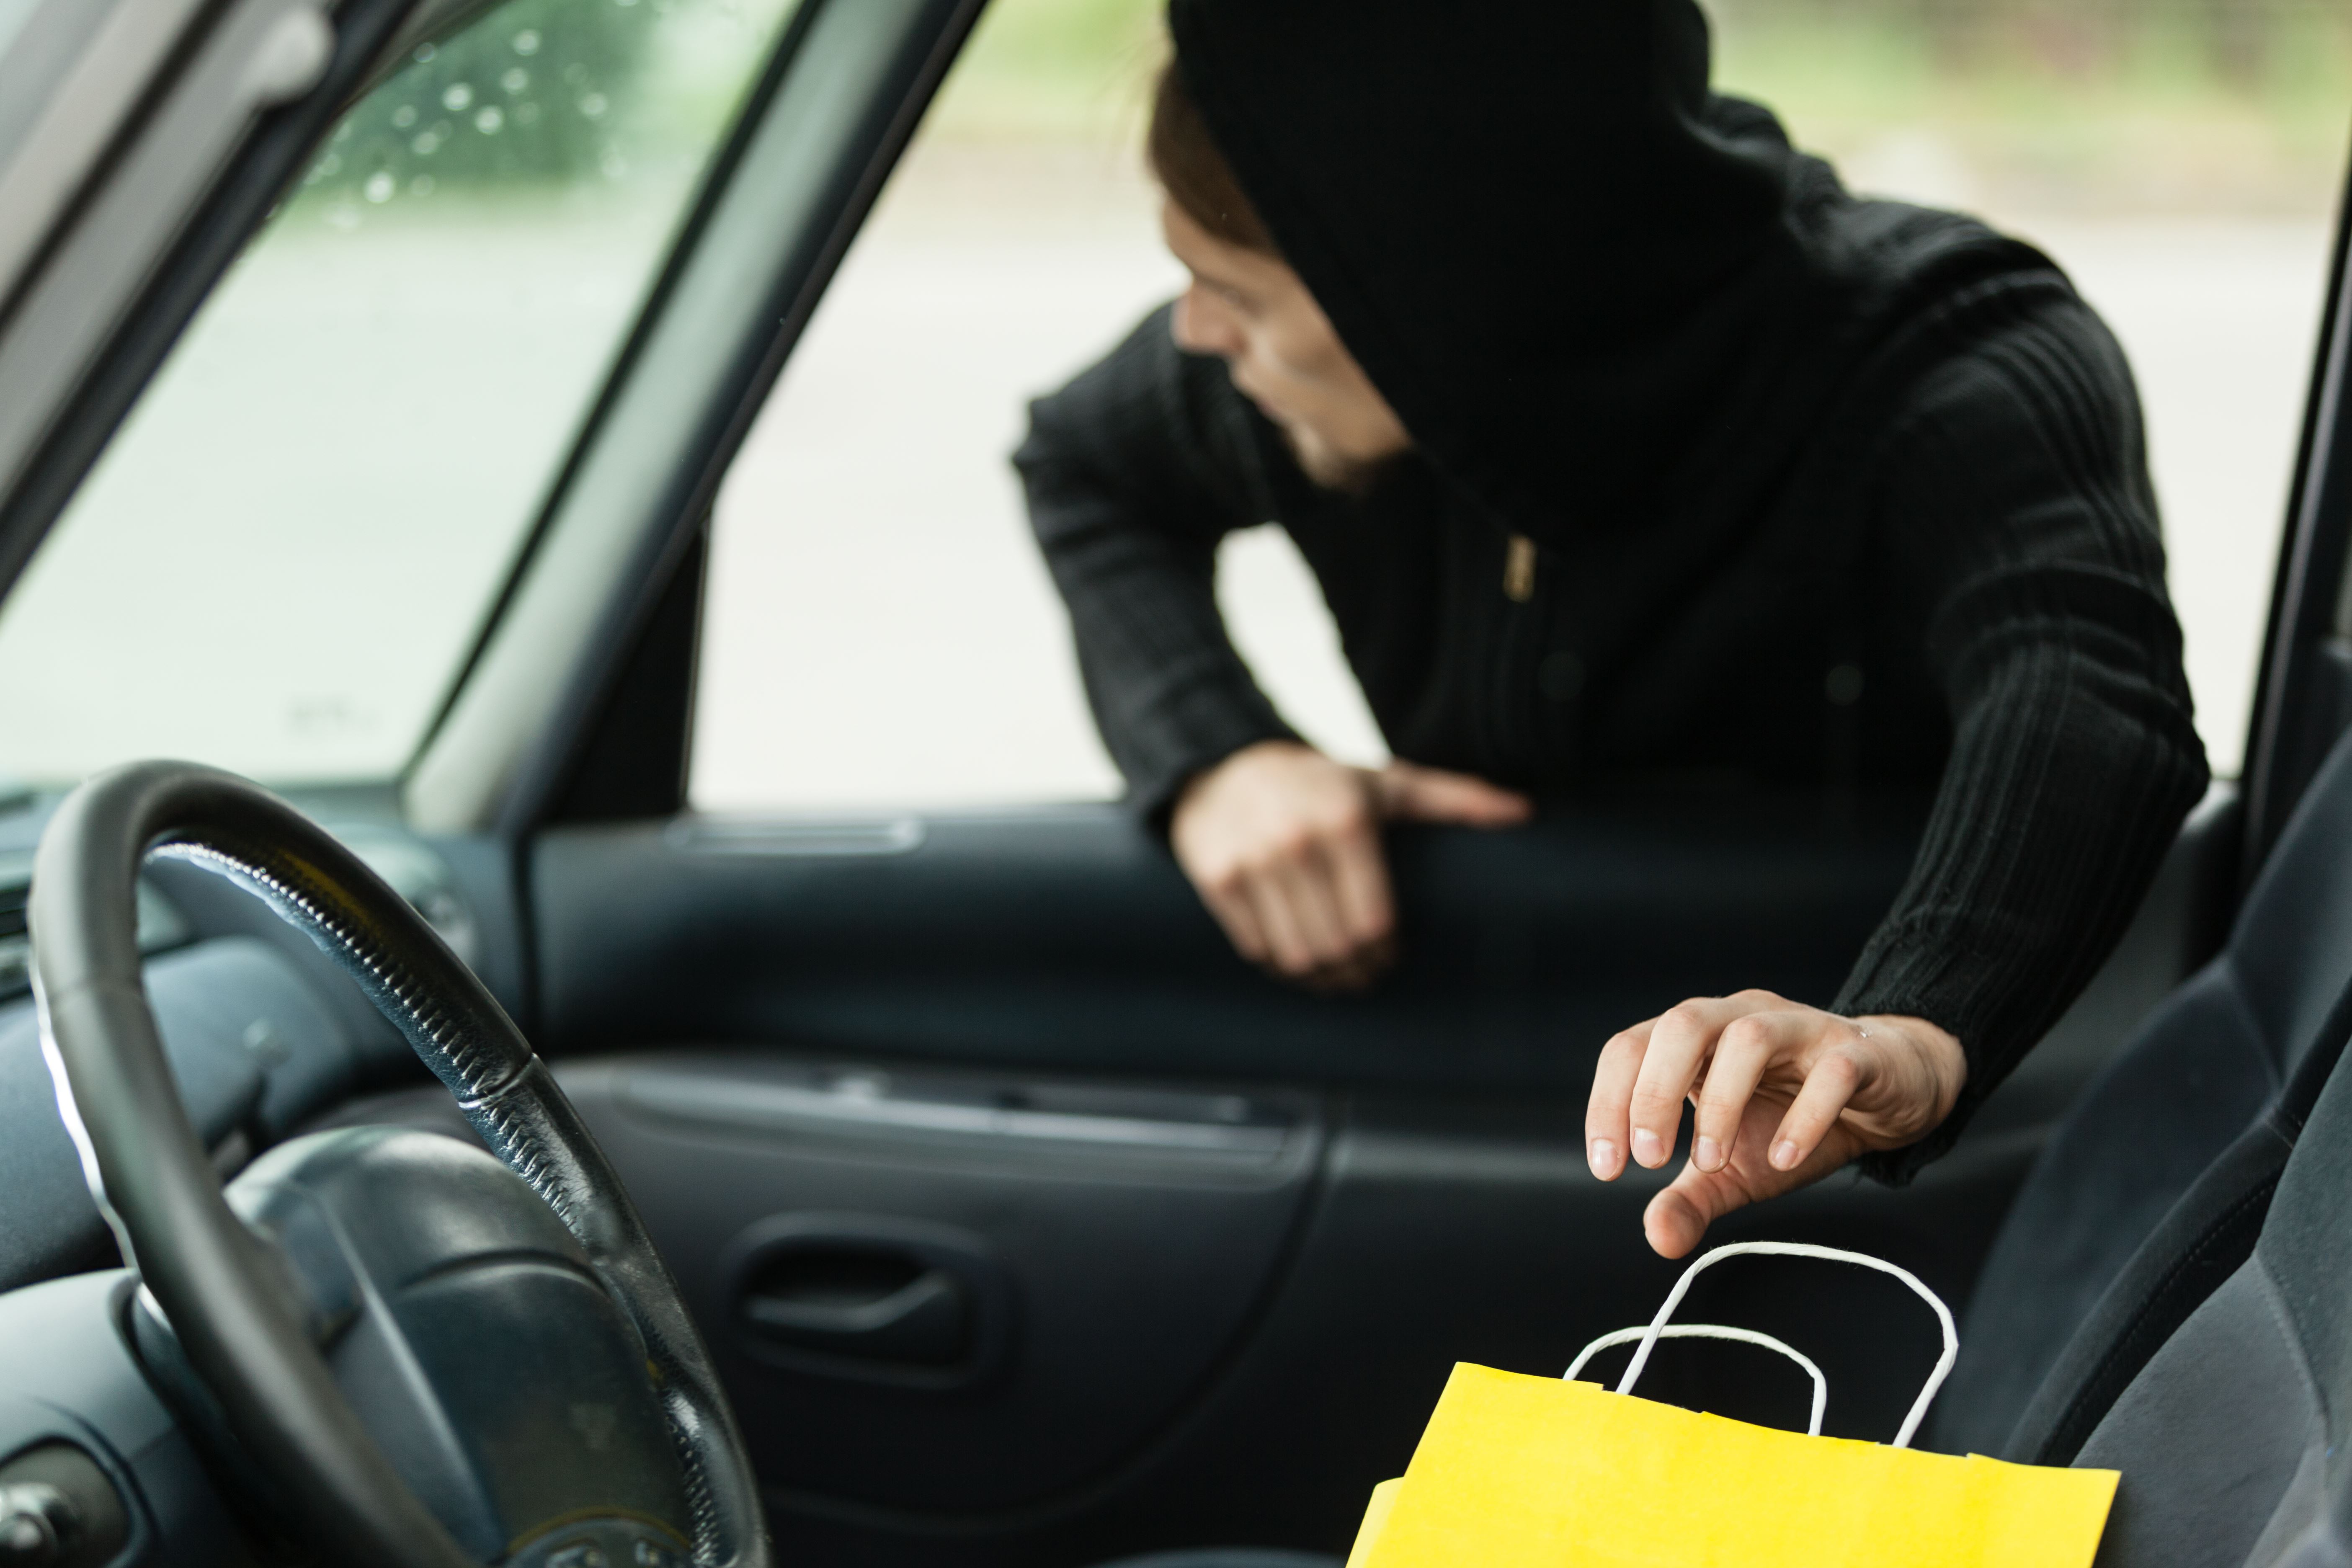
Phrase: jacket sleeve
[2017,510]
[1134,472]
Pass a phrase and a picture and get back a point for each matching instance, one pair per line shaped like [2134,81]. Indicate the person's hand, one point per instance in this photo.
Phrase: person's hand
[1786,1094]
[1283,846]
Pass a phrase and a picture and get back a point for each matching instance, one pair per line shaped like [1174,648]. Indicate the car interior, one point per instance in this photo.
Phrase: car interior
[486,1148]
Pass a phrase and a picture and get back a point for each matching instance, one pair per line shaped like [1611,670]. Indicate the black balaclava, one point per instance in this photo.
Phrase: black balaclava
[1598,295]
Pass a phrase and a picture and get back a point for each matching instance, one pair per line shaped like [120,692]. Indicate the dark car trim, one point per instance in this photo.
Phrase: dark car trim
[2303,700]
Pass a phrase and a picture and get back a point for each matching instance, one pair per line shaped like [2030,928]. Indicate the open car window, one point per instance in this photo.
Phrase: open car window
[880,631]
[285,555]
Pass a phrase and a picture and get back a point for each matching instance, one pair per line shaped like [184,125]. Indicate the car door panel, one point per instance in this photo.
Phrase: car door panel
[1102,1251]
[1445,1214]
[1067,938]
[1421,1231]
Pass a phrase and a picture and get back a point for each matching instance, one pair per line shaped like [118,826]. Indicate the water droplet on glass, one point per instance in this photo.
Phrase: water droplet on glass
[527,41]
[421,186]
[490,119]
[456,98]
[425,145]
[404,117]
[526,114]
[516,79]
[593,106]
[424,54]
[380,186]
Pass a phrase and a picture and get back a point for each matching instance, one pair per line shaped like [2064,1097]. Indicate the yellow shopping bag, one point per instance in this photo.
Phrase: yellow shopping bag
[1516,1470]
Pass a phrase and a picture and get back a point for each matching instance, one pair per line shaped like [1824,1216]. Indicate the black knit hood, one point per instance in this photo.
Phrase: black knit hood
[1597,294]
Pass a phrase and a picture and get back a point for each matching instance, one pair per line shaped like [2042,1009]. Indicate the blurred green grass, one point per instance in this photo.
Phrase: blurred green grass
[2232,104]
[1065,70]
[2212,105]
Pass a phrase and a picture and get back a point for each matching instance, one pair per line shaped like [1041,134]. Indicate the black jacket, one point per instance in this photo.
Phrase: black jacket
[1872,512]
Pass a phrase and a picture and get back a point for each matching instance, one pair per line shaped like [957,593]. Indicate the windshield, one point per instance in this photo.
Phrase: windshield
[287,553]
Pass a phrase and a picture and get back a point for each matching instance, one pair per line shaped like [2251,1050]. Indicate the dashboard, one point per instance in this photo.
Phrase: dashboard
[264,1035]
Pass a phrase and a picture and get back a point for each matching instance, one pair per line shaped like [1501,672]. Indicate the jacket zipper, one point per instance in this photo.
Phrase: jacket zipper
[1519,570]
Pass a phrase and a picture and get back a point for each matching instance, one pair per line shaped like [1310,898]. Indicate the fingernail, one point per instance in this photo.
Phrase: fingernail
[1604,1158]
[1646,1147]
[1708,1156]
[1784,1154]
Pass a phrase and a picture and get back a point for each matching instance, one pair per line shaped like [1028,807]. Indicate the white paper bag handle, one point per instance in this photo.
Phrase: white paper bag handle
[1712,1331]
[1658,1328]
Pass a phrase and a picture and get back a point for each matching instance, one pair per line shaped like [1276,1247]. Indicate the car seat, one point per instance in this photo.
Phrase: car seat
[2232,1438]
[2154,1186]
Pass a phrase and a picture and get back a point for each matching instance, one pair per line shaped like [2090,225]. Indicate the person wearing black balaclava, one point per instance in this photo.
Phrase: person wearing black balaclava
[1630,453]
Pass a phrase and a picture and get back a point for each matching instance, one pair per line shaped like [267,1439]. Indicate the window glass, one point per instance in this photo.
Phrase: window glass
[281,561]
[881,632]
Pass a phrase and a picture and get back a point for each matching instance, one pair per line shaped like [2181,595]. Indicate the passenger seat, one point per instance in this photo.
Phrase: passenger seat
[2154,1186]
[2235,1440]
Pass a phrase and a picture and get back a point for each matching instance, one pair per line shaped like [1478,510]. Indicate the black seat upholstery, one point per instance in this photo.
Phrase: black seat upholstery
[2156,1185]
[2233,1439]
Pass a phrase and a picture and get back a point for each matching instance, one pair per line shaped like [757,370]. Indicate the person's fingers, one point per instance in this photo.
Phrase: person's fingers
[1359,890]
[1411,793]
[1606,1110]
[1744,1050]
[1229,902]
[1678,1217]
[1360,895]
[1680,1043]
[1287,946]
[1350,974]
[1308,894]
[1830,1083]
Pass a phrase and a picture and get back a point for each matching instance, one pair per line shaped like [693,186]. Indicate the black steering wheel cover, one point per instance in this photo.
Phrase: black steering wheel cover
[237,1317]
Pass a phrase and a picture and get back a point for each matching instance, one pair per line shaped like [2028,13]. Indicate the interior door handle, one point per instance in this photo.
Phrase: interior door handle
[924,1322]
[869,1298]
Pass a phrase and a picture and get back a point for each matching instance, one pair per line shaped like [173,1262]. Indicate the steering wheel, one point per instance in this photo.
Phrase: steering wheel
[250,1303]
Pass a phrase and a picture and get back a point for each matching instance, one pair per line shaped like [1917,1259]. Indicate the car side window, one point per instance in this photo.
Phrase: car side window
[282,560]
[880,630]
